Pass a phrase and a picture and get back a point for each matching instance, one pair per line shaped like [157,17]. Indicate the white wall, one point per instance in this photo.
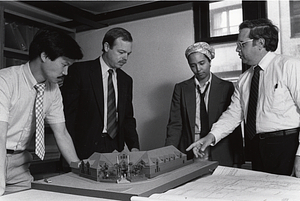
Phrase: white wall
[156,64]
[290,46]
[279,13]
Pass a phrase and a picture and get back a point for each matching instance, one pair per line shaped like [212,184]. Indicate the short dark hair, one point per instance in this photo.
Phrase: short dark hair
[262,28]
[115,33]
[55,44]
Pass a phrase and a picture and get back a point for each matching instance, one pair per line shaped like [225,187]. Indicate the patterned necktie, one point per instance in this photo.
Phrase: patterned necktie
[252,106]
[203,113]
[39,132]
[111,108]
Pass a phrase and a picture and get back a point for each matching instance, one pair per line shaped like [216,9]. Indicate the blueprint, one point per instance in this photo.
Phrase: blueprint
[237,185]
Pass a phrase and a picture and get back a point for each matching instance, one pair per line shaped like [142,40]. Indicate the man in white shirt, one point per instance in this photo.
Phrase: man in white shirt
[274,140]
[50,54]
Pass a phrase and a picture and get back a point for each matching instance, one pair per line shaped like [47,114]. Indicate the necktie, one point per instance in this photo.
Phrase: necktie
[203,113]
[111,108]
[39,132]
[252,106]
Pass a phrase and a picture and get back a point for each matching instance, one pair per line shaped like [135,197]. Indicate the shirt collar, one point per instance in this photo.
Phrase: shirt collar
[104,66]
[265,61]
[29,76]
[208,81]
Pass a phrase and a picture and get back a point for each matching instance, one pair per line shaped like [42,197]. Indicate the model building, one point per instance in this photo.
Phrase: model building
[126,166]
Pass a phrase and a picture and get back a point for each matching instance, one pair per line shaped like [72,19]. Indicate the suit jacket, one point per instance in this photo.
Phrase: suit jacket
[84,108]
[181,125]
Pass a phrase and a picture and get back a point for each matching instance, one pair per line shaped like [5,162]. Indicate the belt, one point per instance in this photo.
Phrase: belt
[10,151]
[278,133]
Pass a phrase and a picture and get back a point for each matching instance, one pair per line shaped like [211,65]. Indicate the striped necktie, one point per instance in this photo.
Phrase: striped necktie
[252,105]
[111,108]
[39,132]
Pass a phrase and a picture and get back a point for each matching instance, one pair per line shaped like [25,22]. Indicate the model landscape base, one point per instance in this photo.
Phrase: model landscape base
[77,185]
[124,167]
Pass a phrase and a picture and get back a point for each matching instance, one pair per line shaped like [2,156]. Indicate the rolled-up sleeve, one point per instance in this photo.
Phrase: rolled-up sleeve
[54,107]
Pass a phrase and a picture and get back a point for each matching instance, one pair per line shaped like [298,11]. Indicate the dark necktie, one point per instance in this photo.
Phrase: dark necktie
[111,108]
[203,113]
[252,105]
[39,131]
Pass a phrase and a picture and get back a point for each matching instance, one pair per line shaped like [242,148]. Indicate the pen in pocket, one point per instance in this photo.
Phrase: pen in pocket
[275,87]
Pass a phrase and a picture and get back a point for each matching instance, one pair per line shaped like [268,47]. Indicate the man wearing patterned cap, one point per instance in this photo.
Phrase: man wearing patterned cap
[187,122]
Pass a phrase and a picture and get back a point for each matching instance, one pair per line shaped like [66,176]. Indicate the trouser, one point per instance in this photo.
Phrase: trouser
[275,154]
[18,176]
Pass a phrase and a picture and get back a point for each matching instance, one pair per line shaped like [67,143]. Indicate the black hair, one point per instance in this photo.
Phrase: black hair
[262,28]
[115,33]
[54,43]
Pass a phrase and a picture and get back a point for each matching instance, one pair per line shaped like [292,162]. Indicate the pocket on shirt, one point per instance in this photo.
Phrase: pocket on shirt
[278,100]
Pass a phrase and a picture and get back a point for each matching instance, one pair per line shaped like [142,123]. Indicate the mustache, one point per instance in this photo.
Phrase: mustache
[61,77]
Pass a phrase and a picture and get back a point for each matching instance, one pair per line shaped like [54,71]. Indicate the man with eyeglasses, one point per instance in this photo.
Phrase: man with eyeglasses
[267,98]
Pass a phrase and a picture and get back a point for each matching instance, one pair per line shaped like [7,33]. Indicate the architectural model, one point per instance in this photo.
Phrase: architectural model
[123,167]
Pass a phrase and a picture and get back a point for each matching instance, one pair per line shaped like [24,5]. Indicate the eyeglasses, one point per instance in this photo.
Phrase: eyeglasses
[241,45]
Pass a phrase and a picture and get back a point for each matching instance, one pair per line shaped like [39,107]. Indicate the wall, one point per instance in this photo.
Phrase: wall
[156,64]
[290,46]
[279,13]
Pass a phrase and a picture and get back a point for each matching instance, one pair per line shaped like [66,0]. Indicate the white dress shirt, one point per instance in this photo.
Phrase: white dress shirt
[198,99]
[278,105]
[17,99]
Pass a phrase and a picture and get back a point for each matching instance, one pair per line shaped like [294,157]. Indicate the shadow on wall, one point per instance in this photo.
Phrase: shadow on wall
[153,129]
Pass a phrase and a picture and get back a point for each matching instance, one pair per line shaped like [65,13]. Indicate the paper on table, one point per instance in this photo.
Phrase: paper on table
[164,197]
[228,171]
[237,185]
[240,184]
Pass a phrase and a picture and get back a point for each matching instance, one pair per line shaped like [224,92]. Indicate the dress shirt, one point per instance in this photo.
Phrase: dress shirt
[17,99]
[198,99]
[278,105]
[105,74]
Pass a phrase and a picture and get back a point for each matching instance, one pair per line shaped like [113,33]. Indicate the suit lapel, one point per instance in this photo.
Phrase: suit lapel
[97,85]
[122,88]
[214,96]
[190,104]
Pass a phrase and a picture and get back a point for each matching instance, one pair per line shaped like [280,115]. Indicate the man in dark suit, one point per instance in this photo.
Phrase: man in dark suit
[186,123]
[86,94]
